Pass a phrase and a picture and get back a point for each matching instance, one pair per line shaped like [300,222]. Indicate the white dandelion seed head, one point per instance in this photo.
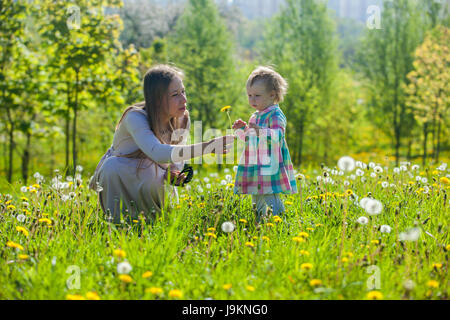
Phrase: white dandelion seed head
[359,164]
[300,176]
[23,189]
[21,217]
[208,186]
[79,168]
[228,177]
[424,180]
[199,189]
[378,169]
[228,226]
[371,165]
[373,175]
[223,182]
[415,167]
[235,168]
[363,220]
[72,195]
[25,204]
[319,178]
[69,178]
[412,234]
[214,175]
[327,180]
[385,184]
[385,228]
[418,178]
[396,170]
[352,177]
[392,185]
[363,202]
[403,168]
[409,285]
[334,172]
[341,173]
[346,163]
[373,207]
[426,189]
[359,172]
[124,267]
[64,197]
[346,183]
[206,179]
[226,170]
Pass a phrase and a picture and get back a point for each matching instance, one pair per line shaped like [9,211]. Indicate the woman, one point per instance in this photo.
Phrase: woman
[149,142]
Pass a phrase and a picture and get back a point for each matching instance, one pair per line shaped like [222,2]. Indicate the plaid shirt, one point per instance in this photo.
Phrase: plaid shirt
[265,166]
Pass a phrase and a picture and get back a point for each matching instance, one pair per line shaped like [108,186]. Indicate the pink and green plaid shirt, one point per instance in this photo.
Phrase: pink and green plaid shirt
[265,166]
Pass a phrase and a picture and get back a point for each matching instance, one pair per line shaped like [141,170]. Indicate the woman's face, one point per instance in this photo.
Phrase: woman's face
[177,98]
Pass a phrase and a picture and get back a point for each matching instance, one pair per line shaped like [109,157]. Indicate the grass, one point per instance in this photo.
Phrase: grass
[67,250]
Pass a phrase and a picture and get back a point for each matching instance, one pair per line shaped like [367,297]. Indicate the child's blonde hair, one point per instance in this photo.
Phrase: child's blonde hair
[272,79]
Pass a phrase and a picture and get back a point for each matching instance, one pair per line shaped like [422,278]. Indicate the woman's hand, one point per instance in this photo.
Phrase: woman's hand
[221,145]
[176,178]
[238,124]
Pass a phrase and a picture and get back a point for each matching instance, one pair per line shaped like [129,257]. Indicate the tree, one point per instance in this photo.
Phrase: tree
[386,58]
[300,41]
[428,88]
[202,47]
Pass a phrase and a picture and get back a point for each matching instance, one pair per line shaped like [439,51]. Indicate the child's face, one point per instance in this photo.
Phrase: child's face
[259,97]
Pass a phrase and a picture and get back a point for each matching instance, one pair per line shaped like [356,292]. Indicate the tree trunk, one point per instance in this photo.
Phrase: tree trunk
[68,127]
[74,132]
[425,136]
[26,158]
[11,153]
[438,140]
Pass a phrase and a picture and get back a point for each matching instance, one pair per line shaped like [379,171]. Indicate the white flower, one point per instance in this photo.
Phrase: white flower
[346,163]
[424,180]
[415,167]
[371,165]
[226,170]
[385,184]
[363,220]
[373,175]
[346,183]
[23,189]
[403,168]
[359,172]
[410,235]
[373,207]
[409,285]
[363,202]
[206,179]
[385,228]
[21,217]
[208,186]
[378,169]
[124,267]
[79,168]
[227,227]
[396,170]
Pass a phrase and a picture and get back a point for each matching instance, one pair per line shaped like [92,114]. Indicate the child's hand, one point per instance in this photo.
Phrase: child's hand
[238,124]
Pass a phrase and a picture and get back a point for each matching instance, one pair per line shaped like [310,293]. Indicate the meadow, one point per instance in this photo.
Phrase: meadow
[354,231]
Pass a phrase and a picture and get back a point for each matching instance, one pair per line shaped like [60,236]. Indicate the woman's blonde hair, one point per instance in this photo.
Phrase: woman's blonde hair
[272,79]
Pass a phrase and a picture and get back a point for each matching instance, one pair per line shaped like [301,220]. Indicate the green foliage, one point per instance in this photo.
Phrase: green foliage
[201,47]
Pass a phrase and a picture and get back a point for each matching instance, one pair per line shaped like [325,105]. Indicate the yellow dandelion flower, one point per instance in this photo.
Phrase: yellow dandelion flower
[255,238]
[230,185]
[46,220]
[249,244]
[435,172]
[444,180]
[22,230]
[243,220]
[344,259]
[319,225]
[11,207]
[289,203]
[349,254]
[125,278]
[211,235]
[23,256]
[315,282]
[432,284]
[411,182]
[211,229]
[447,247]
[298,239]
[375,242]
[92,295]
[269,224]
[225,108]
[303,234]
[266,238]
[349,192]
[36,186]
[201,205]
[147,274]
[306,266]
[74,297]
[24,198]
[227,286]
[304,253]
[175,293]
[33,191]
[120,253]
[250,288]
[154,290]
[26,212]
[437,265]
[8,202]
[310,229]
[277,219]
[12,244]
[375,295]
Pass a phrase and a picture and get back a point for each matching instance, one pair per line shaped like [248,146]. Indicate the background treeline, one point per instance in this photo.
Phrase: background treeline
[69,69]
